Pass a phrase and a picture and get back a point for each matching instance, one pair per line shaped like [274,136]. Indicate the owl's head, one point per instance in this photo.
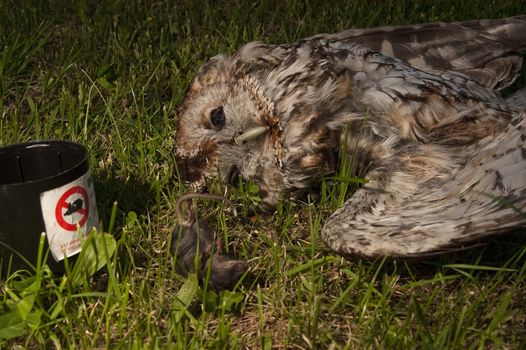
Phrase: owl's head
[226,126]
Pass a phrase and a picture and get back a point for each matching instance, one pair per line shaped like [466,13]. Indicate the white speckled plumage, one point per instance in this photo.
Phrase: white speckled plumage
[419,109]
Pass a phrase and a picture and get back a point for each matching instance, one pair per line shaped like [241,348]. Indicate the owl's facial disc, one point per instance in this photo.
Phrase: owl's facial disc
[216,137]
[228,128]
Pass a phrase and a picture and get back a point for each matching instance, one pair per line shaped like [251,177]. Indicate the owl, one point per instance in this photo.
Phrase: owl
[416,108]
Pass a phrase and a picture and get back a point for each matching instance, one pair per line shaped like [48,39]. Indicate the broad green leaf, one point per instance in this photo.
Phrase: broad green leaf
[23,283]
[96,252]
[33,319]
[25,304]
[12,325]
[210,300]
[184,296]
[230,300]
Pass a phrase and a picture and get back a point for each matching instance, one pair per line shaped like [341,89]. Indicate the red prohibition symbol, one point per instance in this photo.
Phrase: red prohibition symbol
[65,208]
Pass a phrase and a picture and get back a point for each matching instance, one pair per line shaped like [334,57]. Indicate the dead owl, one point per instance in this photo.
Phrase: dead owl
[416,107]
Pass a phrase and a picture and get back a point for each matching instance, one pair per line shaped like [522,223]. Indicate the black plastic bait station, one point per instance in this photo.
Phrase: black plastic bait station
[45,186]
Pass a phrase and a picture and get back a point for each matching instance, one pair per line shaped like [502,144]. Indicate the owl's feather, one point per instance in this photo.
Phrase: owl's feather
[486,50]
[442,150]
[433,198]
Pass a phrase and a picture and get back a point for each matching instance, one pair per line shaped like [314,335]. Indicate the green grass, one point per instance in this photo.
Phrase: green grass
[110,75]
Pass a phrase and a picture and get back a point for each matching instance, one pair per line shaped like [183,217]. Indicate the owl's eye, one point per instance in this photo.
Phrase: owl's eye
[217,118]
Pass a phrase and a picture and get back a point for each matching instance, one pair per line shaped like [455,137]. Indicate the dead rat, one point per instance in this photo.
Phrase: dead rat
[195,246]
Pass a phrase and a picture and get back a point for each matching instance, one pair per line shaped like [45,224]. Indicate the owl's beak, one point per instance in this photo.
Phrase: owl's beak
[251,134]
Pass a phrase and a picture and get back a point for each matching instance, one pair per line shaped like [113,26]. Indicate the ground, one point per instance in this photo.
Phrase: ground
[110,76]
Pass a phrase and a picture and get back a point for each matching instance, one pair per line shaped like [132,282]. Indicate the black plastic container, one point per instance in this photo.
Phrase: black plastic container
[45,186]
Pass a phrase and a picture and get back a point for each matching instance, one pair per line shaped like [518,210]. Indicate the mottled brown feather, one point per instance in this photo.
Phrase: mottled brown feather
[416,106]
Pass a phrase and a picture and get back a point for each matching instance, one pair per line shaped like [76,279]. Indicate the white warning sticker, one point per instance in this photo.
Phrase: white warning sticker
[69,212]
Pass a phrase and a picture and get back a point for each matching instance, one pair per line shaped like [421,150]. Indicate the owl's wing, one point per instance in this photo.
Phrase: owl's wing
[435,198]
[486,50]
[418,105]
